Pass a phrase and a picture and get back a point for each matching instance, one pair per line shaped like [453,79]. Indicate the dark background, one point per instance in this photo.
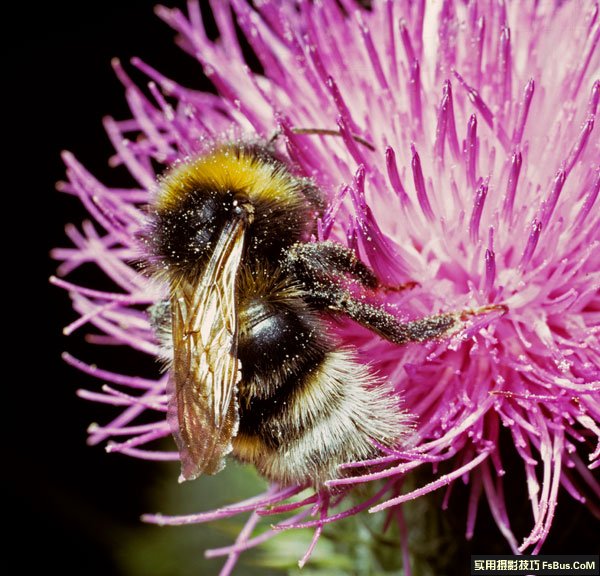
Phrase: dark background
[74,503]
[78,501]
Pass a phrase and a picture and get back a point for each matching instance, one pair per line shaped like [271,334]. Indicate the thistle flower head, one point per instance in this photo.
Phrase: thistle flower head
[480,183]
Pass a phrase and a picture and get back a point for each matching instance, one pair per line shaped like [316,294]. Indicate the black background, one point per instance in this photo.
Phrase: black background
[72,501]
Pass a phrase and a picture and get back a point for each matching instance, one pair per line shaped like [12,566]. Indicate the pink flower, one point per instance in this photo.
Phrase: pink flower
[482,187]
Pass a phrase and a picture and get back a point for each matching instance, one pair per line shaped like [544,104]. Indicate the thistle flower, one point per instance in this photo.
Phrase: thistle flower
[482,187]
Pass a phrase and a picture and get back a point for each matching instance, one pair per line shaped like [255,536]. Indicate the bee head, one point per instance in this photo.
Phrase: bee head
[196,200]
[182,235]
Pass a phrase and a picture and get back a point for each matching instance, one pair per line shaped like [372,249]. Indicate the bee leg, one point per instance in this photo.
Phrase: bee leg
[389,326]
[326,263]
[332,262]
[399,287]
[324,269]
[159,314]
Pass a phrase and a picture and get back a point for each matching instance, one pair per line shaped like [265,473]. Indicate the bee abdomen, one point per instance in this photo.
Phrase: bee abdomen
[332,417]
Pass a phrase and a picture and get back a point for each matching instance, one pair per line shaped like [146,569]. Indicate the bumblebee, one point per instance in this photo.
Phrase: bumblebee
[254,368]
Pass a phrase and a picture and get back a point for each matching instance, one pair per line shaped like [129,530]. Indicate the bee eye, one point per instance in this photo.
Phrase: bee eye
[183,234]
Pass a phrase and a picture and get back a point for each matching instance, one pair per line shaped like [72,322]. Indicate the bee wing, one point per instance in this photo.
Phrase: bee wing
[202,412]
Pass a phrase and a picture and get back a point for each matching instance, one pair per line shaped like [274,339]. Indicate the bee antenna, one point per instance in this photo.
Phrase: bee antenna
[325,132]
